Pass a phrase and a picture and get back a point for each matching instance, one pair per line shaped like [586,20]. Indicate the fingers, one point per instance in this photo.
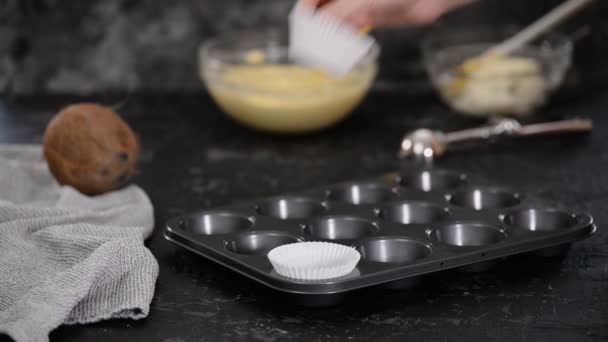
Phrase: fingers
[423,12]
[310,3]
[391,12]
[353,12]
[452,4]
[341,9]
[411,12]
[382,13]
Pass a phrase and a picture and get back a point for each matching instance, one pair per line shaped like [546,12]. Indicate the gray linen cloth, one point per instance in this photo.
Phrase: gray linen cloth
[66,258]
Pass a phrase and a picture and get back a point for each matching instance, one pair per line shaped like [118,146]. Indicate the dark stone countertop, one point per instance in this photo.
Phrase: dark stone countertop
[193,158]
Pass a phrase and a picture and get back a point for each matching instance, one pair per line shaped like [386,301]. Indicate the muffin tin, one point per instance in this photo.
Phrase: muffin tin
[404,226]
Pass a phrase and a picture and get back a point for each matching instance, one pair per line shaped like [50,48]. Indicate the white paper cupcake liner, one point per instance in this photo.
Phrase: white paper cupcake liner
[313,260]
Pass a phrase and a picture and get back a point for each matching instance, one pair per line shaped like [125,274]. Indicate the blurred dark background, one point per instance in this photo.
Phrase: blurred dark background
[79,47]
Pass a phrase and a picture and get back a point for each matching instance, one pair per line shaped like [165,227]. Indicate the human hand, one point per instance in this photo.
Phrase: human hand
[383,13]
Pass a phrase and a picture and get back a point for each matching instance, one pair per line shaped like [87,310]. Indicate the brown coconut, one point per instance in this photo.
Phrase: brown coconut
[89,147]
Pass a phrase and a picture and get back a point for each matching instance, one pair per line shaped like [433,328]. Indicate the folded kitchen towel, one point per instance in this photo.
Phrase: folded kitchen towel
[66,258]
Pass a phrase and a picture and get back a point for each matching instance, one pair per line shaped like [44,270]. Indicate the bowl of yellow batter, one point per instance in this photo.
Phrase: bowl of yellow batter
[251,78]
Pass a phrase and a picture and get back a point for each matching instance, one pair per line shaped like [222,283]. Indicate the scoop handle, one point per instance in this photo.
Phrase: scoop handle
[542,25]
[510,127]
[578,125]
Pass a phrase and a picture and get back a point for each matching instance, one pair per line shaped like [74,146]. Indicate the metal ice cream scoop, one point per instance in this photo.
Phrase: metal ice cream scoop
[425,145]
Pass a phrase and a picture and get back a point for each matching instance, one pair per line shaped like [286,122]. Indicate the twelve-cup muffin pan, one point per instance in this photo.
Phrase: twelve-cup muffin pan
[404,226]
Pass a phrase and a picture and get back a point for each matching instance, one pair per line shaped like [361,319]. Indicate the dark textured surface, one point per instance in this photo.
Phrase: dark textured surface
[193,158]
[120,45]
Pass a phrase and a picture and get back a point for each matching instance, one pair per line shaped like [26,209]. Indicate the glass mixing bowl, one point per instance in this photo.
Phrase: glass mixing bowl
[515,85]
[250,76]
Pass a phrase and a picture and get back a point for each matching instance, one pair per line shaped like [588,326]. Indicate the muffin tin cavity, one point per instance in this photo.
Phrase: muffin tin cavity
[540,220]
[482,199]
[259,242]
[362,193]
[393,250]
[433,180]
[341,229]
[286,208]
[215,223]
[411,212]
[467,234]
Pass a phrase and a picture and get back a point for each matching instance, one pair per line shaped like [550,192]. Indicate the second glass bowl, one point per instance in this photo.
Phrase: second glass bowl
[514,86]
